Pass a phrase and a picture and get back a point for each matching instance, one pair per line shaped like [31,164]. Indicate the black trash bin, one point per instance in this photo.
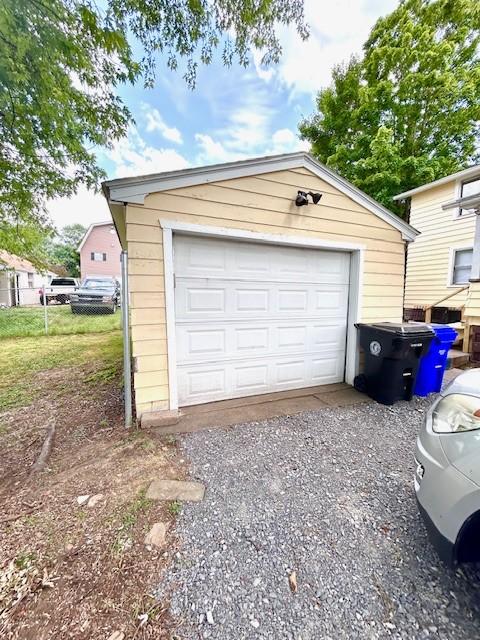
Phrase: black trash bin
[392,356]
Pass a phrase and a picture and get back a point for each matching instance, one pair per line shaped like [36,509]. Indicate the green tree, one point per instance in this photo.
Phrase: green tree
[408,111]
[61,62]
[62,251]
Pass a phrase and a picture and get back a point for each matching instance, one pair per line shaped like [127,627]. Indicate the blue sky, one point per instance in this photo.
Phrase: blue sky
[233,113]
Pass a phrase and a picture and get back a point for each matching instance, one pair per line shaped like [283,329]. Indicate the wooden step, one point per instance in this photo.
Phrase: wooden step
[460,329]
[457,359]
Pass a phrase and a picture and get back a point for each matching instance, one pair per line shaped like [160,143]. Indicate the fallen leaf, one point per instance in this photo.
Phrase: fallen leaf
[292,581]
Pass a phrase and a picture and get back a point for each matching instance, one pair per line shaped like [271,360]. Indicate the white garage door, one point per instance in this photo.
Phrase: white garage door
[255,318]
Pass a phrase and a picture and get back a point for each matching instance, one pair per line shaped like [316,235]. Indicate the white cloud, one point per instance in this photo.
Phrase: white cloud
[281,141]
[155,122]
[337,30]
[133,156]
[85,207]
[213,152]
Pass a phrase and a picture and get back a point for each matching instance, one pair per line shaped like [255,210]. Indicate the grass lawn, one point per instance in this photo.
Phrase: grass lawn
[29,322]
[24,358]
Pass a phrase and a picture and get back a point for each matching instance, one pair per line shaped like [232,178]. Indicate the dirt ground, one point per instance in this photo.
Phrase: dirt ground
[76,571]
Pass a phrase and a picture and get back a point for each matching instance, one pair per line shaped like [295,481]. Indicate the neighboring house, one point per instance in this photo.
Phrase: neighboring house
[235,290]
[100,251]
[20,281]
[439,262]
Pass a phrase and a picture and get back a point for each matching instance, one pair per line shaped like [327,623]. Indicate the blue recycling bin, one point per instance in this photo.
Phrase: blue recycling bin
[433,363]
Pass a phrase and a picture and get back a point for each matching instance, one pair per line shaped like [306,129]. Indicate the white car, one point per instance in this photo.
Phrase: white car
[59,290]
[447,476]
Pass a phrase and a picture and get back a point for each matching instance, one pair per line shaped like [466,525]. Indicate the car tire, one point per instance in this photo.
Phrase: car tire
[114,307]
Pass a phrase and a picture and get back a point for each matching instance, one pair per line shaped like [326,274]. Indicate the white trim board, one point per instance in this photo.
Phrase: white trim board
[169,227]
[451,263]
[460,175]
[134,190]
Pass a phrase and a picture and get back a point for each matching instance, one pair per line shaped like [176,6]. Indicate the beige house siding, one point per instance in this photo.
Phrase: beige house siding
[472,305]
[262,204]
[428,261]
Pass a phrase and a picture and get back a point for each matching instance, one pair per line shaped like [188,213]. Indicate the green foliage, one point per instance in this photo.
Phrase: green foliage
[175,507]
[61,62]
[62,252]
[408,112]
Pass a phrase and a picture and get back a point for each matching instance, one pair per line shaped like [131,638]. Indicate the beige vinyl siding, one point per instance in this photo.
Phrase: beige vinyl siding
[472,306]
[263,204]
[428,261]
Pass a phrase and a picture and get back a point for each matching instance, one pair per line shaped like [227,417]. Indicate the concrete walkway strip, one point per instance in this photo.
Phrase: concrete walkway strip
[176,490]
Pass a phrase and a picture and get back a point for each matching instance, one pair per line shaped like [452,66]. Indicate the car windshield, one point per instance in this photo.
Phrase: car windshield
[97,284]
[62,282]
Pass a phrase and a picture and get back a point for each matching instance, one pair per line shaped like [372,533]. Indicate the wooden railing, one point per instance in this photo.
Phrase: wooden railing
[428,310]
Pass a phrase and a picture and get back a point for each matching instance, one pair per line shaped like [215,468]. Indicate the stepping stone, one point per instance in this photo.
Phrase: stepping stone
[156,536]
[176,490]
[94,500]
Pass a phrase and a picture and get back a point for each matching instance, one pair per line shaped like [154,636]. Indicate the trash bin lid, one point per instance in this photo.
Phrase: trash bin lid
[404,329]
[444,331]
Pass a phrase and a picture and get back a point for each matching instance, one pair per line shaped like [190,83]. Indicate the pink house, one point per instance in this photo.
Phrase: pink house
[100,251]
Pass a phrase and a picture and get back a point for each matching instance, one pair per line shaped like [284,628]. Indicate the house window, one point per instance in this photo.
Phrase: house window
[30,280]
[469,188]
[98,257]
[462,266]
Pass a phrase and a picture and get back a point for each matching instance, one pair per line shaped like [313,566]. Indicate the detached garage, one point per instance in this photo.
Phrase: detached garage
[240,284]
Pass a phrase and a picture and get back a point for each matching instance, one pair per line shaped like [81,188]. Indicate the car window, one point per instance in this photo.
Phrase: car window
[62,282]
[97,284]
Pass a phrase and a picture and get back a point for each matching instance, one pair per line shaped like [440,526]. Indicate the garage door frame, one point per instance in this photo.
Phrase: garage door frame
[171,227]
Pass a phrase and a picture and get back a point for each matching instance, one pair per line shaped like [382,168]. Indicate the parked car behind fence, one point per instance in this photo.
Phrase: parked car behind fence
[96,295]
[59,290]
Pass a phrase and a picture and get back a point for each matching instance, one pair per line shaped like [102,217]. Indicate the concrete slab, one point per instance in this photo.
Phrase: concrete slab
[243,414]
[263,407]
[344,398]
[159,419]
[221,405]
[176,490]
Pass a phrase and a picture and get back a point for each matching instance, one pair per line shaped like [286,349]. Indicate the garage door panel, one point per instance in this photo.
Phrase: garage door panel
[232,301]
[206,342]
[325,368]
[250,339]
[253,319]
[208,257]
[237,379]
[199,300]
[233,342]
[250,377]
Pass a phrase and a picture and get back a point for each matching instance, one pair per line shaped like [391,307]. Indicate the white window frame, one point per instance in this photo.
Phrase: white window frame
[458,194]
[357,251]
[98,253]
[451,264]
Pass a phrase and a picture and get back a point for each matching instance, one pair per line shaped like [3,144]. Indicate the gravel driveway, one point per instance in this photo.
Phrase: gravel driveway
[327,495]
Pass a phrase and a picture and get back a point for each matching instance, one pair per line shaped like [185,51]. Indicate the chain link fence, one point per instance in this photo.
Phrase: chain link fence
[94,306]
[24,312]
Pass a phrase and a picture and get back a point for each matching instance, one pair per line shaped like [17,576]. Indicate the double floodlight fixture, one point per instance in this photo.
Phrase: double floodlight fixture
[302,198]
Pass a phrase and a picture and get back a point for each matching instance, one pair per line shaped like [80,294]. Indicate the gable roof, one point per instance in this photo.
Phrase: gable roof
[11,261]
[134,190]
[90,229]
[471,172]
